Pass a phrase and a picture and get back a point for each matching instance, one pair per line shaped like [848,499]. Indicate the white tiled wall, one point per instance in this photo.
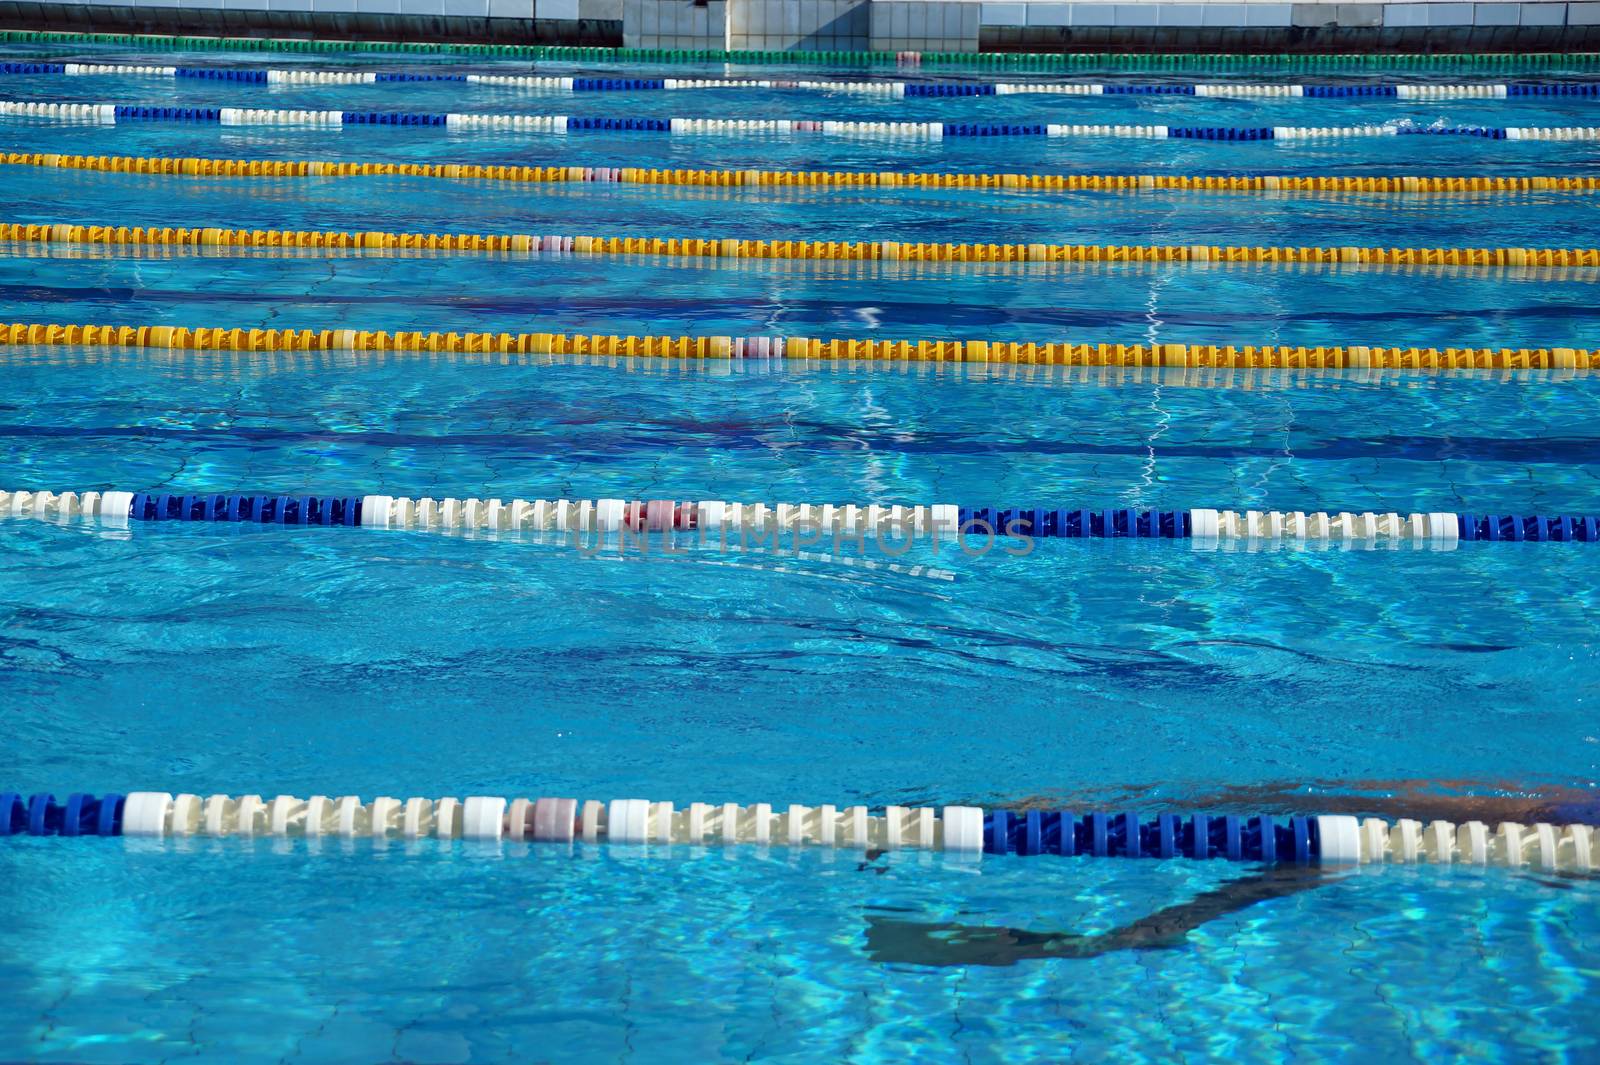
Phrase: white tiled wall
[817,25]
[674,24]
[1543,15]
[926,25]
[1010,14]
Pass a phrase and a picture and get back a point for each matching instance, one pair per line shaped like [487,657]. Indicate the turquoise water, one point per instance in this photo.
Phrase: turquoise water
[1142,675]
[221,952]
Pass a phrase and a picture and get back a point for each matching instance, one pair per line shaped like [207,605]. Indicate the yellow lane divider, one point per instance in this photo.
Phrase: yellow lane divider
[887,179]
[794,348]
[729,248]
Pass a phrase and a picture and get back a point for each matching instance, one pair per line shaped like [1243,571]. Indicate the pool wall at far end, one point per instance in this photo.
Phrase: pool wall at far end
[856,26]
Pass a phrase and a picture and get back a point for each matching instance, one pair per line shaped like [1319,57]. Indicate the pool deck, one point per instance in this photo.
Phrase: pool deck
[1424,26]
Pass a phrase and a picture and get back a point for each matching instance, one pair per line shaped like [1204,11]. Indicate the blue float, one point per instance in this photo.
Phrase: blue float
[392,118]
[1220,133]
[1160,89]
[167,114]
[947,88]
[617,84]
[1495,133]
[655,125]
[419,77]
[1328,91]
[251,77]
[33,68]
[1002,129]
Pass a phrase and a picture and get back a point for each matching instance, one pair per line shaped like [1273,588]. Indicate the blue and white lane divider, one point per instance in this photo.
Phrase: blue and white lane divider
[936,521]
[1304,840]
[897,89]
[110,114]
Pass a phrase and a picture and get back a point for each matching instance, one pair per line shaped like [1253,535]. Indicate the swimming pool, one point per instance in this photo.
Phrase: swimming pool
[1152,675]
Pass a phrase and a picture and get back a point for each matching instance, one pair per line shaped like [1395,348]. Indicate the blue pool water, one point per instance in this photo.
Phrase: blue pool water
[1128,674]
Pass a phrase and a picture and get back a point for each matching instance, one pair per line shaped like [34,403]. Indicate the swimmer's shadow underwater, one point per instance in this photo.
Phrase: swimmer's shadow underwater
[897,941]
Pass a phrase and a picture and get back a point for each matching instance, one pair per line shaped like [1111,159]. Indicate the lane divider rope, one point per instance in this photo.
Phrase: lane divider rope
[1035,61]
[799,348]
[240,365]
[731,248]
[837,269]
[719,519]
[111,114]
[244,365]
[886,179]
[966,830]
[893,89]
